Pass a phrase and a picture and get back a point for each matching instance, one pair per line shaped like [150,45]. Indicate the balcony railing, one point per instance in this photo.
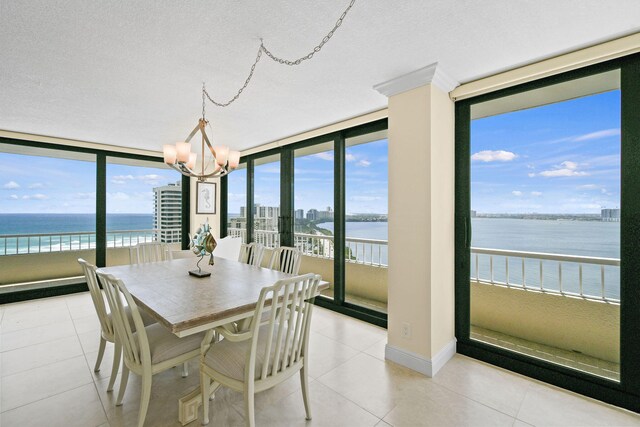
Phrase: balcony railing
[360,251]
[14,244]
[592,278]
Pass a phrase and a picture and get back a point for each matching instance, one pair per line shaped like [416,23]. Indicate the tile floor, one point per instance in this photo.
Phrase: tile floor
[48,348]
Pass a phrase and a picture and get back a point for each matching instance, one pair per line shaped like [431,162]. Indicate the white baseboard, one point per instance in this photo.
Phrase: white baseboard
[418,362]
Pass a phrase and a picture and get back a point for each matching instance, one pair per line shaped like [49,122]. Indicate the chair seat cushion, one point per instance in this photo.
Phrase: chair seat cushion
[228,357]
[164,345]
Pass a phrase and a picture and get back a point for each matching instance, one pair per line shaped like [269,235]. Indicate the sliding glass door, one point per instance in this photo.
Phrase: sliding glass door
[306,195]
[547,229]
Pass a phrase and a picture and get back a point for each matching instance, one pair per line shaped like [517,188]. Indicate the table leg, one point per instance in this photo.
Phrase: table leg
[188,406]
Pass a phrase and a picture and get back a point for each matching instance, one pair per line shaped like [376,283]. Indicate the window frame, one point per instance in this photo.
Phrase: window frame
[287,183]
[626,392]
[101,206]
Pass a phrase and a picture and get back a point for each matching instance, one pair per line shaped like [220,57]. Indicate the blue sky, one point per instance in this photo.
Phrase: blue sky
[34,184]
[366,176]
[558,158]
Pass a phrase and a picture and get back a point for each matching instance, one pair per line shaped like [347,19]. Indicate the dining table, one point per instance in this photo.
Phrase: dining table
[186,304]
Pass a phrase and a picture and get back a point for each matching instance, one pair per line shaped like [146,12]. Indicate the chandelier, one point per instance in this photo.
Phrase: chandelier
[180,157]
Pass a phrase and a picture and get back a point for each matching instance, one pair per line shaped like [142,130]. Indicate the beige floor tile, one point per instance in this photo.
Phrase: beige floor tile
[90,341]
[80,298]
[105,366]
[328,408]
[166,389]
[378,349]
[326,354]
[549,406]
[371,383]
[79,407]
[434,405]
[87,323]
[483,383]
[35,356]
[81,311]
[34,305]
[382,423]
[518,423]
[39,383]
[40,334]
[355,334]
[30,319]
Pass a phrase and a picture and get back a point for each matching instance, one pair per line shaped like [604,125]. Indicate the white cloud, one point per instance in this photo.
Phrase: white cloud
[598,135]
[85,196]
[566,168]
[35,197]
[494,156]
[536,193]
[589,187]
[121,179]
[150,179]
[36,185]
[349,157]
[364,163]
[517,193]
[324,156]
[531,174]
[11,185]
[14,196]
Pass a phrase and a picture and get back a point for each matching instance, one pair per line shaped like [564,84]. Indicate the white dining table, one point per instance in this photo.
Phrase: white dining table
[187,305]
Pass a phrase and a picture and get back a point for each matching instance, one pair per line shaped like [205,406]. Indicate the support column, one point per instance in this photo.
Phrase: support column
[421,219]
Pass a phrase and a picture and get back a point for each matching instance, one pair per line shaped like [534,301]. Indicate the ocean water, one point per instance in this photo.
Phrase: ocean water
[582,238]
[39,224]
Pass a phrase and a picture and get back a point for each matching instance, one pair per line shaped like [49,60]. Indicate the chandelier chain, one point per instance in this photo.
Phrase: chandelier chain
[277,59]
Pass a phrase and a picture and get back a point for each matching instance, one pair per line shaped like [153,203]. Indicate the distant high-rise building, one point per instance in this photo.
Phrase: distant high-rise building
[610,215]
[167,212]
[299,214]
[473,214]
[312,214]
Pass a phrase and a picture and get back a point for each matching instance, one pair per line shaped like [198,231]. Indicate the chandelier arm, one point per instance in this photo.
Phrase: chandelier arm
[193,132]
[279,60]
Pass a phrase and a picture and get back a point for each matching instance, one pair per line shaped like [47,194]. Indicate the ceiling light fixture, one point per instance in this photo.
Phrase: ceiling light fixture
[180,157]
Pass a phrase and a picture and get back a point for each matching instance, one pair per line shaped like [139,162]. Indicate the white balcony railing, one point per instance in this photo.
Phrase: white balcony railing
[360,251]
[587,277]
[15,244]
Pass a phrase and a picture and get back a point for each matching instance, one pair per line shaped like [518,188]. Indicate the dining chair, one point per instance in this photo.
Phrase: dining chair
[107,332]
[251,253]
[286,259]
[149,252]
[267,353]
[147,350]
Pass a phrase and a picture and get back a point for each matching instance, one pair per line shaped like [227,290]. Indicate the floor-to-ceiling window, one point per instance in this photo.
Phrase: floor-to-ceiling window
[312,195]
[547,229]
[144,204]
[61,203]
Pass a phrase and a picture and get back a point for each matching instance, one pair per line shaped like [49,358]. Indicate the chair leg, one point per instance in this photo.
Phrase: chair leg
[185,369]
[212,390]
[103,344]
[117,353]
[205,391]
[144,397]
[304,382]
[249,411]
[123,383]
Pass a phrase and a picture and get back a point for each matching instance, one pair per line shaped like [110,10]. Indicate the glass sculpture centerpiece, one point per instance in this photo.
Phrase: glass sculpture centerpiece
[203,244]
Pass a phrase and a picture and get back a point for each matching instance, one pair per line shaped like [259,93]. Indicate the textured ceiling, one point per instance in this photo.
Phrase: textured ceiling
[129,73]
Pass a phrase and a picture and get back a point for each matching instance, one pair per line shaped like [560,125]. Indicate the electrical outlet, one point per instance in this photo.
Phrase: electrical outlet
[406,330]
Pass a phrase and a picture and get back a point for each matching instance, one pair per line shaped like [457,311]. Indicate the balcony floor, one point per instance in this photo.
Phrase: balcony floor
[571,359]
[48,348]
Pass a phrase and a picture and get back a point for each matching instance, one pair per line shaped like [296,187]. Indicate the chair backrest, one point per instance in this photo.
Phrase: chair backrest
[135,345]
[285,337]
[251,254]
[228,248]
[286,259]
[97,297]
[143,253]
